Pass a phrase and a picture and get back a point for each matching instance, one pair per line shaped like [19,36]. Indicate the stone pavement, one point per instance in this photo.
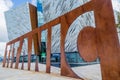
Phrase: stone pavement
[91,72]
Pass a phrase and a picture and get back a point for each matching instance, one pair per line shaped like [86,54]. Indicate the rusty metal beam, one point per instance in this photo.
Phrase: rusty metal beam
[18,53]
[48,62]
[29,51]
[13,50]
[39,43]
[65,68]
[107,40]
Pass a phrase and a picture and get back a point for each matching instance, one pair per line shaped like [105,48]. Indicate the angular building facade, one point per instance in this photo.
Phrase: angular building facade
[19,21]
[55,8]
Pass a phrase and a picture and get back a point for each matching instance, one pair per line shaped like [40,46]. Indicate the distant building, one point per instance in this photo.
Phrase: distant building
[40,13]
[21,20]
[40,17]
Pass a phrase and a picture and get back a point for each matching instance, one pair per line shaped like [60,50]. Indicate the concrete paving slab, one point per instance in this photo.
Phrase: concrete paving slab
[91,72]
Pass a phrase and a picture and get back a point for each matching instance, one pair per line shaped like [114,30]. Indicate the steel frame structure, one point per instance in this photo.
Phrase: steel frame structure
[99,42]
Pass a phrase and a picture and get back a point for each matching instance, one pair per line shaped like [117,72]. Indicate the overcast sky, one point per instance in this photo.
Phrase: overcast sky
[7,4]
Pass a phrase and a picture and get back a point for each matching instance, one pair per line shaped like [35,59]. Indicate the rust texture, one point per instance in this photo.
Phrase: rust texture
[87,44]
[13,50]
[36,64]
[34,24]
[29,51]
[99,42]
[18,54]
[22,67]
[48,51]
[107,40]
[65,68]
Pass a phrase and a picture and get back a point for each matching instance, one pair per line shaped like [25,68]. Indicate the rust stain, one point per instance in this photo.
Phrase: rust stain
[87,44]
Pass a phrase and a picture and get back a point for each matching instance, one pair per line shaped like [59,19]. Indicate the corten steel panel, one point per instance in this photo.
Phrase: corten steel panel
[39,43]
[18,53]
[66,21]
[34,24]
[13,50]
[65,68]
[29,51]
[36,64]
[103,38]
[87,44]
[48,50]
[107,40]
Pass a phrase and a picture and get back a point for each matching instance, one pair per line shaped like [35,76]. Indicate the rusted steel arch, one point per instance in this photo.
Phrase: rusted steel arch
[65,68]
[107,40]
[48,50]
[107,44]
[86,44]
[66,20]
[39,43]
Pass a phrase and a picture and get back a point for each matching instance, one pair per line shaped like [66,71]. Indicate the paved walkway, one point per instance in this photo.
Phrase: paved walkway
[88,73]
